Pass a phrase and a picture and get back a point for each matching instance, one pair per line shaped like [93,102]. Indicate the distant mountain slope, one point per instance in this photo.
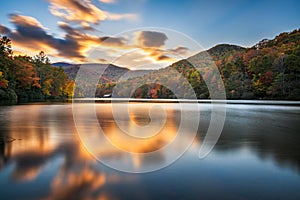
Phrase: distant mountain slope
[111,74]
[268,70]
[222,50]
[61,64]
[283,39]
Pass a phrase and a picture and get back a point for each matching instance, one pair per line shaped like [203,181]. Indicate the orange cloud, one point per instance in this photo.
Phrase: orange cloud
[31,36]
[180,50]
[4,30]
[113,41]
[128,16]
[25,21]
[108,1]
[77,11]
[146,47]
[153,43]
[84,12]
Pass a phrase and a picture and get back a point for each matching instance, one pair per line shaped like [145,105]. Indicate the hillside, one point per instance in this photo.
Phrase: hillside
[111,75]
[268,70]
[25,78]
[224,50]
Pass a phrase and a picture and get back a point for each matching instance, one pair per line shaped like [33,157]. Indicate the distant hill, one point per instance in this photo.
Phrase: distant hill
[107,80]
[61,64]
[269,69]
[111,74]
[223,50]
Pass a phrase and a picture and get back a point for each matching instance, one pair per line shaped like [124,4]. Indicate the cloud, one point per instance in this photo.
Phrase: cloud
[77,11]
[134,59]
[153,45]
[102,60]
[108,1]
[128,16]
[169,55]
[25,20]
[149,46]
[153,42]
[30,34]
[151,39]
[163,57]
[160,55]
[4,30]
[84,12]
[113,41]
[86,42]
[180,50]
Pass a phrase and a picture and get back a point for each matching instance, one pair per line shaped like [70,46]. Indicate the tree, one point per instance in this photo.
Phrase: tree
[3,81]
[5,56]
[5,47]
[25,75]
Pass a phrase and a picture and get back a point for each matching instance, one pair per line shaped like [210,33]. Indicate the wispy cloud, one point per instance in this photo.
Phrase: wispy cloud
[4,30]
[180,50]
[77,11]
[30,34]
[108,1]
[127,16]
[153,43]
[144,47]
[84,12]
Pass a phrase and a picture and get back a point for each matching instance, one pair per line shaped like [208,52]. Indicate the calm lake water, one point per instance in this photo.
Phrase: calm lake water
[42,156]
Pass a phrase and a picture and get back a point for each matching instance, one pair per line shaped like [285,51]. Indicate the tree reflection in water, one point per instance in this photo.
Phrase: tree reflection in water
[47,160]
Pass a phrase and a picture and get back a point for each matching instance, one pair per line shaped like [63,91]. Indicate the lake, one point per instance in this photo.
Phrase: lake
[45,154]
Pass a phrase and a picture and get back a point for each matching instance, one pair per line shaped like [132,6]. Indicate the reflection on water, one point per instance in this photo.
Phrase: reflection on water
[139,116]
[257,156]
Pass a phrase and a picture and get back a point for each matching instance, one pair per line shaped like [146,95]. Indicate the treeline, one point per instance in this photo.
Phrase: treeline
[30,78]
[268,70]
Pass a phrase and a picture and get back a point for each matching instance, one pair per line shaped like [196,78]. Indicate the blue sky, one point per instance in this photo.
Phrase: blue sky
[241,22]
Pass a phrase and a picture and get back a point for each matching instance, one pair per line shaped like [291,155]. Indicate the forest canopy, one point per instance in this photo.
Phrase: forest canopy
[268,70]
[30,78]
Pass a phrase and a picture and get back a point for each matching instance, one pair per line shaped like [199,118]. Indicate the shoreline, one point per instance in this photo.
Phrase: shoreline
[133,100]
[206,101]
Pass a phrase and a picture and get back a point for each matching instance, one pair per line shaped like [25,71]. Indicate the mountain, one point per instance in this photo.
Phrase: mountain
[223,50]
[269,69]
[61,64]
[111,75]
[112,72]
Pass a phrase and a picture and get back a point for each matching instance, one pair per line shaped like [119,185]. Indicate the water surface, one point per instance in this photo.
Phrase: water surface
[256,157]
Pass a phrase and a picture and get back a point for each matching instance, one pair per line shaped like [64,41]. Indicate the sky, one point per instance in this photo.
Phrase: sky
[140,33]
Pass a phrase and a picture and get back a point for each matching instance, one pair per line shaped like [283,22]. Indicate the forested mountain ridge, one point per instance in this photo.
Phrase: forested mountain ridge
[268,70]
